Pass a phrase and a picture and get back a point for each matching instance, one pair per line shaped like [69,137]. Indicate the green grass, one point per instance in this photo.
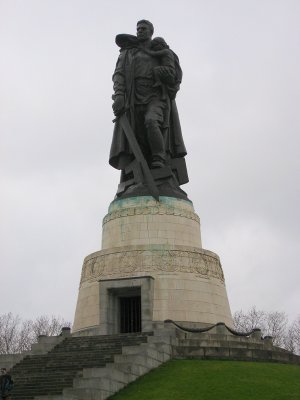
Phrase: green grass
[216,380]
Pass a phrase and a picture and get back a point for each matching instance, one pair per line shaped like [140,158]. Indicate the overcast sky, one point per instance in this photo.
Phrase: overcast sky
[239,110]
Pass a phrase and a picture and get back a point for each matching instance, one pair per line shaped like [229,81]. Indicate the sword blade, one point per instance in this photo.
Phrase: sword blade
[139,156]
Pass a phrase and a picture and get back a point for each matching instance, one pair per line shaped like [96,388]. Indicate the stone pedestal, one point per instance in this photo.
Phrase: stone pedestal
[152,250]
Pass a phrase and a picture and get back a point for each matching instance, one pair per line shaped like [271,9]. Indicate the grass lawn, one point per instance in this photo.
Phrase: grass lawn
[216,380]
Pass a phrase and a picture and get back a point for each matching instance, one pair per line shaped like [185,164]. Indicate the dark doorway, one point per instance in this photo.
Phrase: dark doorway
[130,314]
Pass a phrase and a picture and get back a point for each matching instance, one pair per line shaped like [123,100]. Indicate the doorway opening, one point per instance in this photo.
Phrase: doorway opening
[130,314]
[126,305]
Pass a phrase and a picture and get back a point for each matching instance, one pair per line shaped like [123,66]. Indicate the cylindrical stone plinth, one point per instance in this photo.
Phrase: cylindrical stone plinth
[145,239]
[144,221]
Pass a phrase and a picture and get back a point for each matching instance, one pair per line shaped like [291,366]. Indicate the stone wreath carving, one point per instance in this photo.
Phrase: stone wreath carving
[126,263]
[161,210]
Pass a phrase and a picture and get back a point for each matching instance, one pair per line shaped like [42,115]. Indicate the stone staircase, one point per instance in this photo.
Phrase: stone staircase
[87,367]
[219,342]
[96,367]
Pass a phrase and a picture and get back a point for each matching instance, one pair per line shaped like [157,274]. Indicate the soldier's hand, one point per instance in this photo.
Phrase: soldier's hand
[118,105]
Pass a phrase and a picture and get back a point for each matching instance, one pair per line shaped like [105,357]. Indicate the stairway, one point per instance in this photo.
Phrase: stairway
[49,374]
[219,342]
[96,367]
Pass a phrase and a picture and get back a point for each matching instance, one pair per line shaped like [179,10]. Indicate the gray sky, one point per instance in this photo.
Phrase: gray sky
[239,110]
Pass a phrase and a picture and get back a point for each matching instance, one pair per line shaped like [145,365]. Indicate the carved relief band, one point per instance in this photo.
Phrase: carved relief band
[160,209]
[122,262]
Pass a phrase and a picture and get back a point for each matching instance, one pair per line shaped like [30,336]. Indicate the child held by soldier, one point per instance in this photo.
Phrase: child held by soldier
[164,73]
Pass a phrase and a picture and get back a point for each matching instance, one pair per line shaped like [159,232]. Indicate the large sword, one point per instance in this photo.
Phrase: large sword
[149,181]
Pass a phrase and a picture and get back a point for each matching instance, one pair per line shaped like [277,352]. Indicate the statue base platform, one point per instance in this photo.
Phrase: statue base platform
[165,189]
[151,268]
[166,180]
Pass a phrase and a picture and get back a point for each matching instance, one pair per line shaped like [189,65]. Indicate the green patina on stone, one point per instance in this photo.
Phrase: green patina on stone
[146,201]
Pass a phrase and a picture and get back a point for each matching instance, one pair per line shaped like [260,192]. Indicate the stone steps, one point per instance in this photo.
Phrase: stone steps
[47,375]
[88,368]
[101,383]
[219,342]
[230,353]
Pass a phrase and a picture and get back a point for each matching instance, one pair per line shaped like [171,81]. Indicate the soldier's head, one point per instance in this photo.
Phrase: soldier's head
[144,30]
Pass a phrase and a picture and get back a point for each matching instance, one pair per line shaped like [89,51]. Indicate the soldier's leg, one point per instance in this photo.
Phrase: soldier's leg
[141,131]
[153,121]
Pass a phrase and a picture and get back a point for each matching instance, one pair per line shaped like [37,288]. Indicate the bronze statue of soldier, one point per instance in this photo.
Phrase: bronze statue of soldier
[146,79]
